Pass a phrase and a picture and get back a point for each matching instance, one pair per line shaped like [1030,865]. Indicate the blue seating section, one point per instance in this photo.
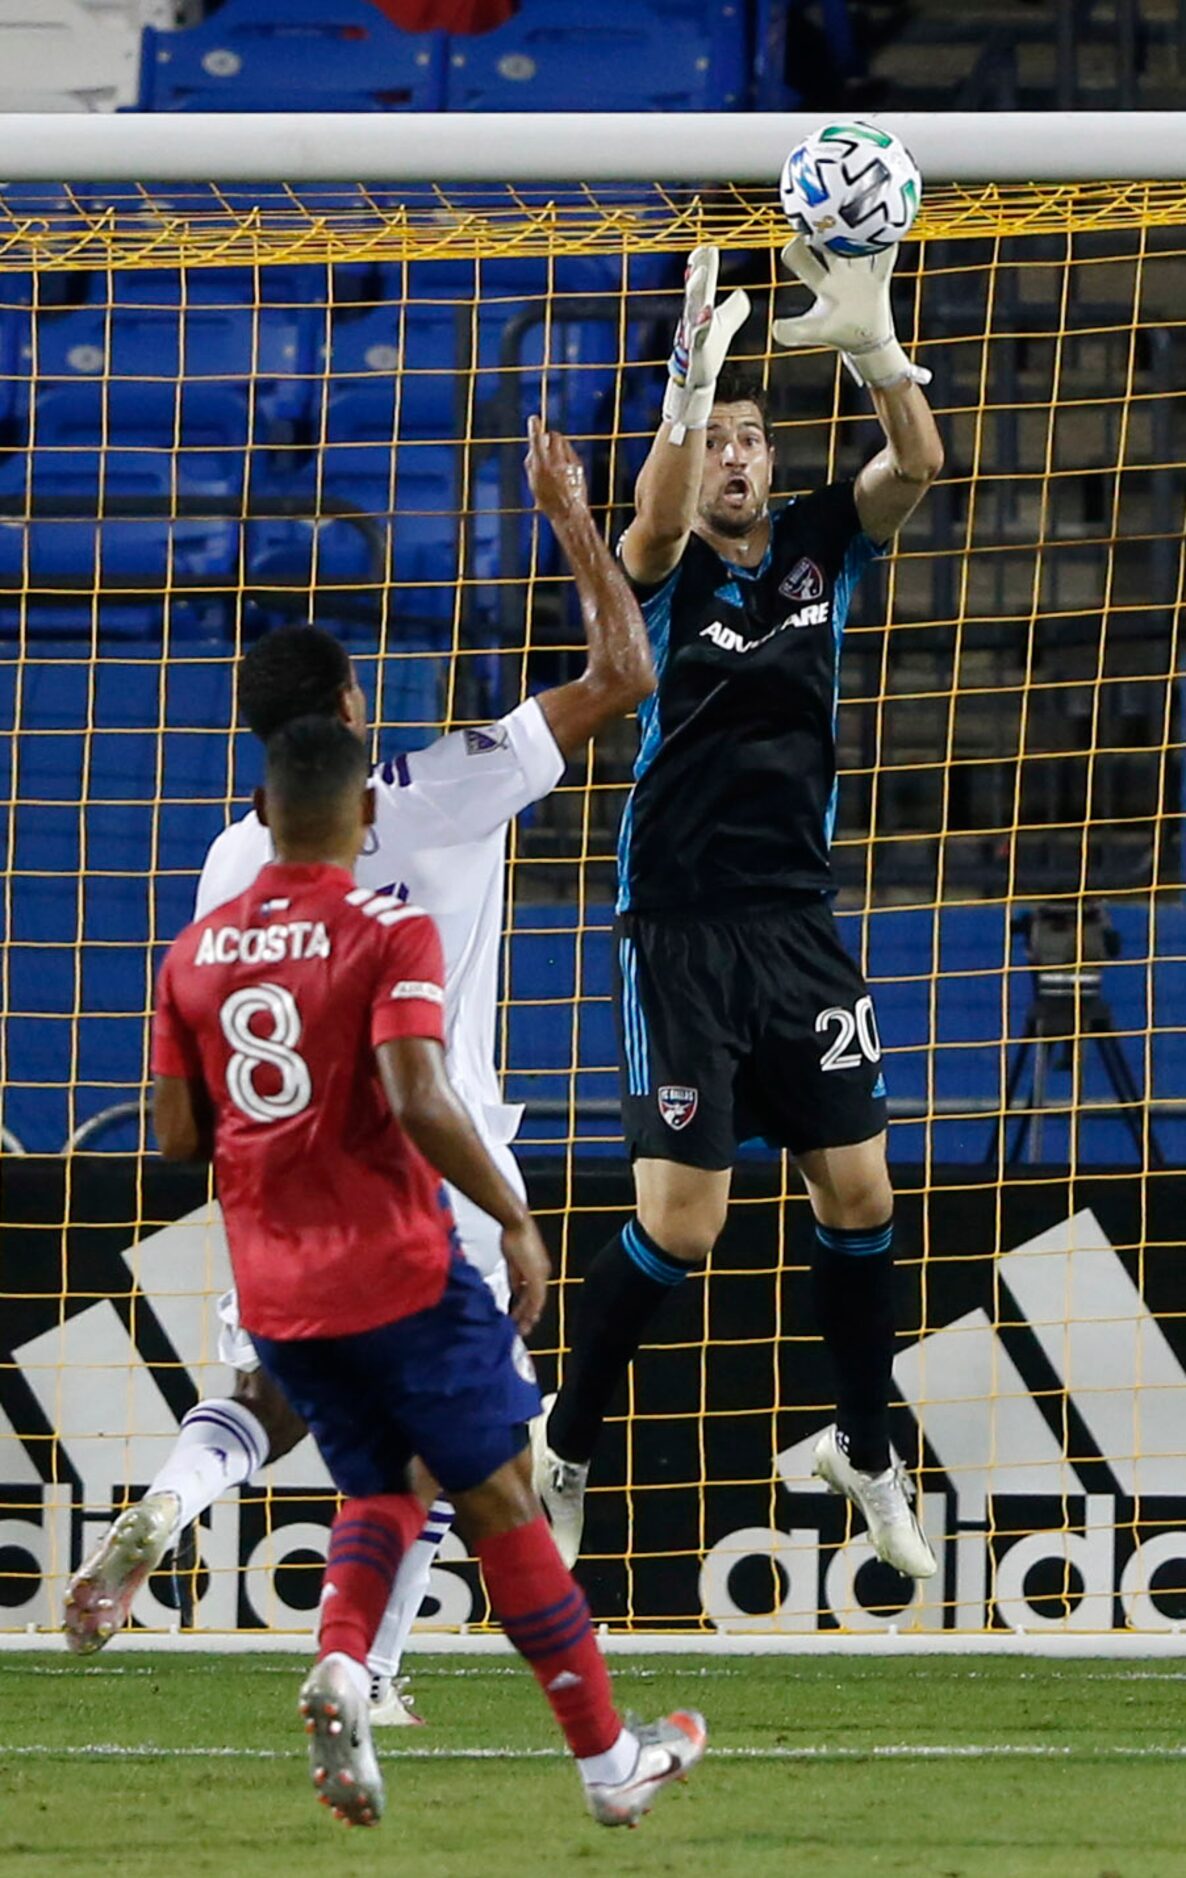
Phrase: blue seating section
[93,890]
[615,56]
[186,463]
[292,55]
[345,55]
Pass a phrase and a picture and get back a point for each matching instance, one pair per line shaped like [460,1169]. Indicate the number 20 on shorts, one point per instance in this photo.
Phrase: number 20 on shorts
[858,1025]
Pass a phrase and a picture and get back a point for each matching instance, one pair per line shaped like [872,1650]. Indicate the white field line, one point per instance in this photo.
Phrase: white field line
[420,1672]
[1110,1644]
[886,1751]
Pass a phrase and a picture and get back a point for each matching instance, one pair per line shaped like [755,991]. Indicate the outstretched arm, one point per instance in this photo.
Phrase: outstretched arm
[668,487]
[894,482]
[852,312]
[618,670]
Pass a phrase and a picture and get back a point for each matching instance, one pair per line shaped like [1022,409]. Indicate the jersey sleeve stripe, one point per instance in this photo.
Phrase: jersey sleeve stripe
[419,988]
[383,907]
[400,912]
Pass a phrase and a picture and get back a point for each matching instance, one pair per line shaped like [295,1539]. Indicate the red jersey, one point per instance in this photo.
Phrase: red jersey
[277,1002]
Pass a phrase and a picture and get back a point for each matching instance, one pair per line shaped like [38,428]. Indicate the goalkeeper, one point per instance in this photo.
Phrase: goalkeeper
[739,1012]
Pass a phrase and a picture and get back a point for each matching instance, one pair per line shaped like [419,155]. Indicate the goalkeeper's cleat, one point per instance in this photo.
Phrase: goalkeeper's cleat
[391,1705]
[884,1499]
[100,1594]
[560,1486]
[668,1750]
[341,1758]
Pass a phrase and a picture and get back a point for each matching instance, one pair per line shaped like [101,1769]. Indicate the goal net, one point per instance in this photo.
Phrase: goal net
[223,408]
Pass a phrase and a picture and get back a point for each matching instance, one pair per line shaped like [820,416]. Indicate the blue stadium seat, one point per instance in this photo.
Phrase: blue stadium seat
[404,502]
[103,481]
[420,341]
[292,55]
[221,323]
[611,55]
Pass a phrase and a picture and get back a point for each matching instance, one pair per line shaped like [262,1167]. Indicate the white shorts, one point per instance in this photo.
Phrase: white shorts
[481,1242]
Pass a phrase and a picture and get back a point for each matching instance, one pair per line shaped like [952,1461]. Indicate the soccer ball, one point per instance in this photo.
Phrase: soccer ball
[851,189]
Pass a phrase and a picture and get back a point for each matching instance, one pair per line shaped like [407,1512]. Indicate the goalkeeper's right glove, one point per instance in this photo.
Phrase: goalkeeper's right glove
[701,341]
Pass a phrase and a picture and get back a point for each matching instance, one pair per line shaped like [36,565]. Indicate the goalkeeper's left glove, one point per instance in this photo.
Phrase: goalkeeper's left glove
[702,339]
[852,312]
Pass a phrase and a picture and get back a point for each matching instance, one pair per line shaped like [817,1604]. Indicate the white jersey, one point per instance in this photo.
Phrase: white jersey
[439,839]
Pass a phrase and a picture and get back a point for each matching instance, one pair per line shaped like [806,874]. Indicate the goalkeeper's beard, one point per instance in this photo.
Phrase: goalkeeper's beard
[735,524]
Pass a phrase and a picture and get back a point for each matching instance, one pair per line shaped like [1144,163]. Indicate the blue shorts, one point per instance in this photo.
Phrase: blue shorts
[453,1384]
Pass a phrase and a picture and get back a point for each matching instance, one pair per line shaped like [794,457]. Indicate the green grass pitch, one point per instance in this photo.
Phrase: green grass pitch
[837,1767]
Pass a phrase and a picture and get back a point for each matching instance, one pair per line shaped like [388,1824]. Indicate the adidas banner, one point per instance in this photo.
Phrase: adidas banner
[1041,1371]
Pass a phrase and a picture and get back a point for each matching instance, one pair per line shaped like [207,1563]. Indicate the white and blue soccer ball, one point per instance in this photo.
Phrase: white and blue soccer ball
[851,189]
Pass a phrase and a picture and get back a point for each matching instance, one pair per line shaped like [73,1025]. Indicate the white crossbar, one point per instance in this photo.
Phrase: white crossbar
[558,147]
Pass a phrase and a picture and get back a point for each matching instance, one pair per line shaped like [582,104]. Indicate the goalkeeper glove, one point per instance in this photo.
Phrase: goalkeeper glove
[852,312]
[701,341]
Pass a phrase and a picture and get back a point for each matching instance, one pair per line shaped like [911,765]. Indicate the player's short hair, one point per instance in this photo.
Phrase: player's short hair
[314,764]
[296,671]
[737,386]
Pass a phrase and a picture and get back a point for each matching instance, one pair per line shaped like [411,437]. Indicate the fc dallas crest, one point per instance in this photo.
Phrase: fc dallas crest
[804,582]
[677,1105]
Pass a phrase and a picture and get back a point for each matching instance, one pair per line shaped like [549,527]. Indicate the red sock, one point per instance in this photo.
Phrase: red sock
[544,1613]
[368,1540]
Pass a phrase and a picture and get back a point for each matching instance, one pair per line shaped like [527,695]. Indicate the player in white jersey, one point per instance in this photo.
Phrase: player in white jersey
[439,840]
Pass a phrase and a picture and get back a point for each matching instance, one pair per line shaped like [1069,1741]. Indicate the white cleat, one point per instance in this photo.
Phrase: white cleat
[391,1705]
[341,1758]
[560,1485]
[668,1750]
[884,1499]
[100,1594]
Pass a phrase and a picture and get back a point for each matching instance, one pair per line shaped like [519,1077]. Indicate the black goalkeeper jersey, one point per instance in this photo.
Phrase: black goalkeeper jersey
[735,783]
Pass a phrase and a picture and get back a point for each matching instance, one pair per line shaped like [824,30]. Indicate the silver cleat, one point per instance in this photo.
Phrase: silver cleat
[100,1594]
[341,1757]
[668,1749]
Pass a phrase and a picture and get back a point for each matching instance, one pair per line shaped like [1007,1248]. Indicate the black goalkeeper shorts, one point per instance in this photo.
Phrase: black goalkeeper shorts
[756,1027]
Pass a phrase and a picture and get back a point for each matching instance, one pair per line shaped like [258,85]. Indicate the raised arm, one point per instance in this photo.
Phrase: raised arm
[618,670]
[894,482]
[852,312]
[422,1100]
[668,487]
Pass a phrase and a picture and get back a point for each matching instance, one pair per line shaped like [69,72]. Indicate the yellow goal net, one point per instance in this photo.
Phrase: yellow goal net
[224,408]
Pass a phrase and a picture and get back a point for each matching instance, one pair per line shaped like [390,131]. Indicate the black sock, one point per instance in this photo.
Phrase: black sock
[853,1287]
[623,1289]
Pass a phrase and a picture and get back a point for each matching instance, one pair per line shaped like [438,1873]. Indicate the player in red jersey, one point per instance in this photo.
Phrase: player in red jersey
[299,1041]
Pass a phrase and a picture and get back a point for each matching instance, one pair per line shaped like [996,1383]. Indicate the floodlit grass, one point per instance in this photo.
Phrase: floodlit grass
[833,1767]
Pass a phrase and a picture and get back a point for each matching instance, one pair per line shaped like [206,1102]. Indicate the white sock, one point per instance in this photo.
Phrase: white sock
[614,1766]
[219,1445]
[407,1593]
